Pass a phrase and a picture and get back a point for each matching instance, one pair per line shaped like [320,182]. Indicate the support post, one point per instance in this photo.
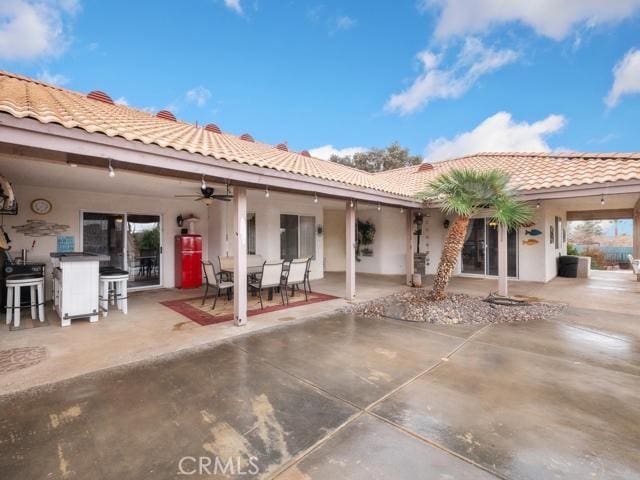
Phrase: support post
[503,282]
[350,261]
[409,266]
[240,257]
[636,230]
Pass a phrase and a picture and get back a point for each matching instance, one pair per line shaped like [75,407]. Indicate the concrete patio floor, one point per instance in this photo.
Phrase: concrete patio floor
[150,329]
[342,397]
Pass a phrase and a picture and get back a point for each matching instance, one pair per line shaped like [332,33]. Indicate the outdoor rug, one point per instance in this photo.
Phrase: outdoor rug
[203,315]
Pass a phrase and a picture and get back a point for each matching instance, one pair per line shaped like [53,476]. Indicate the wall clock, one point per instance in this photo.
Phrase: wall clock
[41,206]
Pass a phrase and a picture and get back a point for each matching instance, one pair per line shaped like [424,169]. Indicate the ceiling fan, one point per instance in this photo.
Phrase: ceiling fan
[207,195]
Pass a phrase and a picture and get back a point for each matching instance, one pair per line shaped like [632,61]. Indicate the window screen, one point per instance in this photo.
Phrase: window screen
[308,237]
[288,237]
[251,233]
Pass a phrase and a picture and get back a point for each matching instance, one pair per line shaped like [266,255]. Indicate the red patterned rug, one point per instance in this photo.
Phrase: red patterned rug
[203,315]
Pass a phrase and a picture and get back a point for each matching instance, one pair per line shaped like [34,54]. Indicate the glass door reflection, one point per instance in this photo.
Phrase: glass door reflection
[143,250]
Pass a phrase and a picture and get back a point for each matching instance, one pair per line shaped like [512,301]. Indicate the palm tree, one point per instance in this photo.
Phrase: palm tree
[463,193]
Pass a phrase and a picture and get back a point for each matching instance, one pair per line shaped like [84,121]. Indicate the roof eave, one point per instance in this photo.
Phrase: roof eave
[52,136]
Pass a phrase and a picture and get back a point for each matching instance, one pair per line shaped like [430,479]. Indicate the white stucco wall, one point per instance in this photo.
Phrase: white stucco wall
[67,205]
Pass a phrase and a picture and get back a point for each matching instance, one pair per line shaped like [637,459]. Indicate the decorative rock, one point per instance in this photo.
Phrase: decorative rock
[417,306]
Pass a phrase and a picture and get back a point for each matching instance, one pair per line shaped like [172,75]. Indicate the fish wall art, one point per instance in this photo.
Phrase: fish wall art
[534,232]
[530,241]
[40,228]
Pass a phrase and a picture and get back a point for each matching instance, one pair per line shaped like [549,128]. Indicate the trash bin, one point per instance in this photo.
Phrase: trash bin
[568,266]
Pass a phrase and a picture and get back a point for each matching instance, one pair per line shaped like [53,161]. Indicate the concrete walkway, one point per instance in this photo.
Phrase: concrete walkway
[342,397]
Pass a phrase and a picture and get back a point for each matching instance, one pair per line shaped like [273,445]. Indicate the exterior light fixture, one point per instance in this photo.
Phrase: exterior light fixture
[538,204]
[602,200]
[203,186]
[379,207]
[351,203]
[112,172]
[266,192]
[315,198]
[72,164]
[401,210]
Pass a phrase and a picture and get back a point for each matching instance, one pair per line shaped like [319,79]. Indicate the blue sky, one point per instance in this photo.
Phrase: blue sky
[442,77]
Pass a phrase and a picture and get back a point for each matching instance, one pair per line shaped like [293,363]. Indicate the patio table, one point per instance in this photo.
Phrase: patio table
[251,271]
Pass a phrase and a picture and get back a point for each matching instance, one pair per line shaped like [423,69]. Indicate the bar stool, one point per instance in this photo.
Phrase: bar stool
[113,288]
[14,286]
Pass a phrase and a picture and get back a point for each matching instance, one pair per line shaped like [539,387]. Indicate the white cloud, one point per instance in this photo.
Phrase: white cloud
[52,78]
[551,18]
[344,22]
[626,78]
[473,61]
[31,29]
[498,133]
[121,101]
[234,5]
[325,152]
[198,95]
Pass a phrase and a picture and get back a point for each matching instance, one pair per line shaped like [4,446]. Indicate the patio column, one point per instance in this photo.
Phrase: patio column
[409,266]
[240,256]
[503,282]
[350,261]
[636,230]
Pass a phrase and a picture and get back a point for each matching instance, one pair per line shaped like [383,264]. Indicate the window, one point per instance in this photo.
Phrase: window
[251,233]
[297,236]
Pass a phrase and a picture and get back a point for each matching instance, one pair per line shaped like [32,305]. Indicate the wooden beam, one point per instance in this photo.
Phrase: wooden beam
[240,256]
[610,214]
[410,247]
[350,261]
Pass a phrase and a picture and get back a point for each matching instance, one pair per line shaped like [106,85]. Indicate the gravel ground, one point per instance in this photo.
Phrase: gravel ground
[416,306]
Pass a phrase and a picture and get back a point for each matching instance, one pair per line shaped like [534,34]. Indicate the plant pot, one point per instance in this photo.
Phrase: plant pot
[417,280]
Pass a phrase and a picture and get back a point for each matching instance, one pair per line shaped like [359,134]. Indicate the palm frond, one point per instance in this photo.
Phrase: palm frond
[464,192]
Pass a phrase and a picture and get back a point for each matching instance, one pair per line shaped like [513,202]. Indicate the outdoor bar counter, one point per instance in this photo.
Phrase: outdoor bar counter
[76,278]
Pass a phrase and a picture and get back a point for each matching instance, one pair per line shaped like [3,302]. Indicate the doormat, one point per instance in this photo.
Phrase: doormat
[193,309]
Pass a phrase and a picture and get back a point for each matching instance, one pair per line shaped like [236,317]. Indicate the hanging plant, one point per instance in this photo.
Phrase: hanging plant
[365,233]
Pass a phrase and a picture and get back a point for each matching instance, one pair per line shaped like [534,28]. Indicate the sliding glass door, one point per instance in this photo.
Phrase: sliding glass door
[480,249]
[143,250]
[103,233]
[132,241]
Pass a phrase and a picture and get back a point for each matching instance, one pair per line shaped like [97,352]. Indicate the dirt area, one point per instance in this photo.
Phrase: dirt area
[417,306]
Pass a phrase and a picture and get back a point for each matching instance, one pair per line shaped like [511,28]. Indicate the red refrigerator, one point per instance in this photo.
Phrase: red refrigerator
[188,258]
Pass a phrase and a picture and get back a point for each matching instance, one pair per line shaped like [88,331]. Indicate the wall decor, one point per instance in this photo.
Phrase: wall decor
[552,236]
[41,206]
[8,203]
[530,241]
[66,243]
[40,228]
[534,232]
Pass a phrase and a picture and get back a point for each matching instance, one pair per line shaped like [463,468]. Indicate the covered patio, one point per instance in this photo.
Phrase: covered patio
[148,331]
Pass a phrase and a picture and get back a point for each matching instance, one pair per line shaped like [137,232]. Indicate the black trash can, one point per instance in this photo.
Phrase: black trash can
[568,266]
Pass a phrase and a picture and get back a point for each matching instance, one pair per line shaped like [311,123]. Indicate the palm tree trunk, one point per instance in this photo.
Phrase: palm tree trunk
[450,254]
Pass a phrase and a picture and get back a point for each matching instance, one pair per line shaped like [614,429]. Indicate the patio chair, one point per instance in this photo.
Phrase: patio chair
[214,280]
[271,277]
[296,277]
[226,263]
[635,265]
[307,273]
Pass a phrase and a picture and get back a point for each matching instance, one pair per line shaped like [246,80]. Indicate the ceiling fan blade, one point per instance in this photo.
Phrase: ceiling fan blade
[187,196]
